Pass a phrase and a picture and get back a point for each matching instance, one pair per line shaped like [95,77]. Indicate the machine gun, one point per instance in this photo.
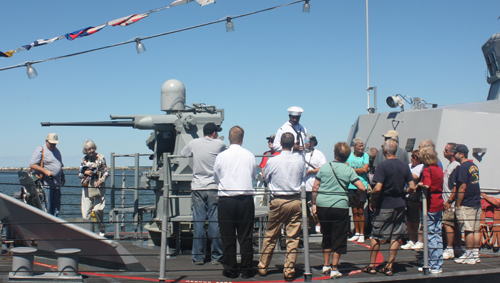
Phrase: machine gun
[171,132]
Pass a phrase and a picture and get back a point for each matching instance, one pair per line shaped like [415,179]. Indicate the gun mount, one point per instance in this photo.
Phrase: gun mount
[171,132]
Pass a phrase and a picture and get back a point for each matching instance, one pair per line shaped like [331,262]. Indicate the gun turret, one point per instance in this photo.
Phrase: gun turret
[171,132]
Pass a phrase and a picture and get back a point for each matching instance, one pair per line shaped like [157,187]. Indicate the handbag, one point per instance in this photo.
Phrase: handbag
[94,192]
[352,199]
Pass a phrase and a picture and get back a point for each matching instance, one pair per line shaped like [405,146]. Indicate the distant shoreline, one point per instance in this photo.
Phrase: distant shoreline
[7,169]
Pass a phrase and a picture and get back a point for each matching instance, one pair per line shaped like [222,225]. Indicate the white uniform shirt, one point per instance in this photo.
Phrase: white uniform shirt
[287,127]
[315,158]
[234,171]
[447,173]
[285,173]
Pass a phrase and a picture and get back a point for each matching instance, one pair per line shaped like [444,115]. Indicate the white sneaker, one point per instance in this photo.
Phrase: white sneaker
[470,260]
[326,269]
[418,246]
[448,254]
[102,234]
[408,245]
[353,238]
[335,274]
[361,239]
[476,257]
[433,271]
[462,258]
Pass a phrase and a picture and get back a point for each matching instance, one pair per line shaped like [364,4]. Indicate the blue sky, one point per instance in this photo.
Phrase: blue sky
[274,60]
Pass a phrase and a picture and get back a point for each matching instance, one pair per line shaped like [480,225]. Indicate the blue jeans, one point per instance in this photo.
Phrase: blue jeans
[434,220]
[204,206]
[54,201]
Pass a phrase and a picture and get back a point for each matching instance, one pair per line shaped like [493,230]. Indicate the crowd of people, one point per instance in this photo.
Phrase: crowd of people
[382,189]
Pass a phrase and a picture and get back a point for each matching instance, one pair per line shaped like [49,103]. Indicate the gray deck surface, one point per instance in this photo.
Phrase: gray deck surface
[180,268]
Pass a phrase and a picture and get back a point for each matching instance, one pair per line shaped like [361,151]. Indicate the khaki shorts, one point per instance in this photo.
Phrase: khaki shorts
[449,218]
[468,218]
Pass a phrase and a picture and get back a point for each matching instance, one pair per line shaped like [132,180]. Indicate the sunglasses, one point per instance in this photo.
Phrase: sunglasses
[414,156]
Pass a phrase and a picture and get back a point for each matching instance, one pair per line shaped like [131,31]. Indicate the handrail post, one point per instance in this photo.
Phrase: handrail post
[112,204]
[136,193]
[425,266]
[305,233]
[122,214]
[164,220]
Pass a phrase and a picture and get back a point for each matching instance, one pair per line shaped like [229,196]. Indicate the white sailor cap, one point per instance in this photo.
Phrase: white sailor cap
[295,111]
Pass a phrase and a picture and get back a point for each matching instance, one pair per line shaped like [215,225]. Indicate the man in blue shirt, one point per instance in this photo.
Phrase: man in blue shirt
[468,206]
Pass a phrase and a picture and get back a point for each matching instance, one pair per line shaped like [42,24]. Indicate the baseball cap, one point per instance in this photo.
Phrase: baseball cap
[312,138]
[391,134]
[271,138]
[210,128]
[52,138]
[460,148]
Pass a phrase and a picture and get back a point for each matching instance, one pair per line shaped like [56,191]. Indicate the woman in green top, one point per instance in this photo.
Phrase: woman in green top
[331,203]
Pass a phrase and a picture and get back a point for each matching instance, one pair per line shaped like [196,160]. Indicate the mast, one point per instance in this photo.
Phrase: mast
[368,87]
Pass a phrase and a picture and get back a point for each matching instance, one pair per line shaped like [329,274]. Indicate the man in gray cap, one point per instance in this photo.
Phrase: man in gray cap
[47,160]
[401,154]
[292,126]
[204,196]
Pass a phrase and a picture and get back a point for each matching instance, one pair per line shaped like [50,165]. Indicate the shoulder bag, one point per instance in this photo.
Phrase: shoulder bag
[352,199]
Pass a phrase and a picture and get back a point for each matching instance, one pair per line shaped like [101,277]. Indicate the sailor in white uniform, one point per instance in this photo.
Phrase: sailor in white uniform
[293,126]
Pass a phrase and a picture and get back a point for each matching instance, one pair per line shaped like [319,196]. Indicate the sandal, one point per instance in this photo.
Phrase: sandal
[369,269]
[388,271]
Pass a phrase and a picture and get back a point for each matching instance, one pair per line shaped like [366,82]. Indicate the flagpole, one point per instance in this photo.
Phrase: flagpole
[367,60]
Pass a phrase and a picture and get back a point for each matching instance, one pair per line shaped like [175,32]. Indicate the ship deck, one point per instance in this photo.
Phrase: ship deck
[180,268]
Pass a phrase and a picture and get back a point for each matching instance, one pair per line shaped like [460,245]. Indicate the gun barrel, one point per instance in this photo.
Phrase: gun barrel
[92,124]
[116,117]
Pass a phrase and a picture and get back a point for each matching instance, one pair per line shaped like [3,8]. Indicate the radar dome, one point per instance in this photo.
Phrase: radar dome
[173,95]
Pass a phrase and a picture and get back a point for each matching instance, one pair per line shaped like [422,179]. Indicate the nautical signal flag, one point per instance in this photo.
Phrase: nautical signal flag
[205,2]
[179,2]
[84,32]
[40,42]
[201,2]
[7,54]
[128,20]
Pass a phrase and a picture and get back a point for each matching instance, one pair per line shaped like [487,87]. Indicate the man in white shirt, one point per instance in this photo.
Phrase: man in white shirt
[314,160]
[452,234]
[284,174]
[204,197]
[293,126]
[234,170]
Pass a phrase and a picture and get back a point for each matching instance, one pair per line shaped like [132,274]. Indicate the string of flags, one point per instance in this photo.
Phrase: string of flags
[139,46]
[124,21]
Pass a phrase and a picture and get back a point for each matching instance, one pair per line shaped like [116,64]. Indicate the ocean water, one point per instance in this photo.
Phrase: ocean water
[72,192]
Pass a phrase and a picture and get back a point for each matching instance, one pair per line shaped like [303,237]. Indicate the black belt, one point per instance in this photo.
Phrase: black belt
[295,196]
